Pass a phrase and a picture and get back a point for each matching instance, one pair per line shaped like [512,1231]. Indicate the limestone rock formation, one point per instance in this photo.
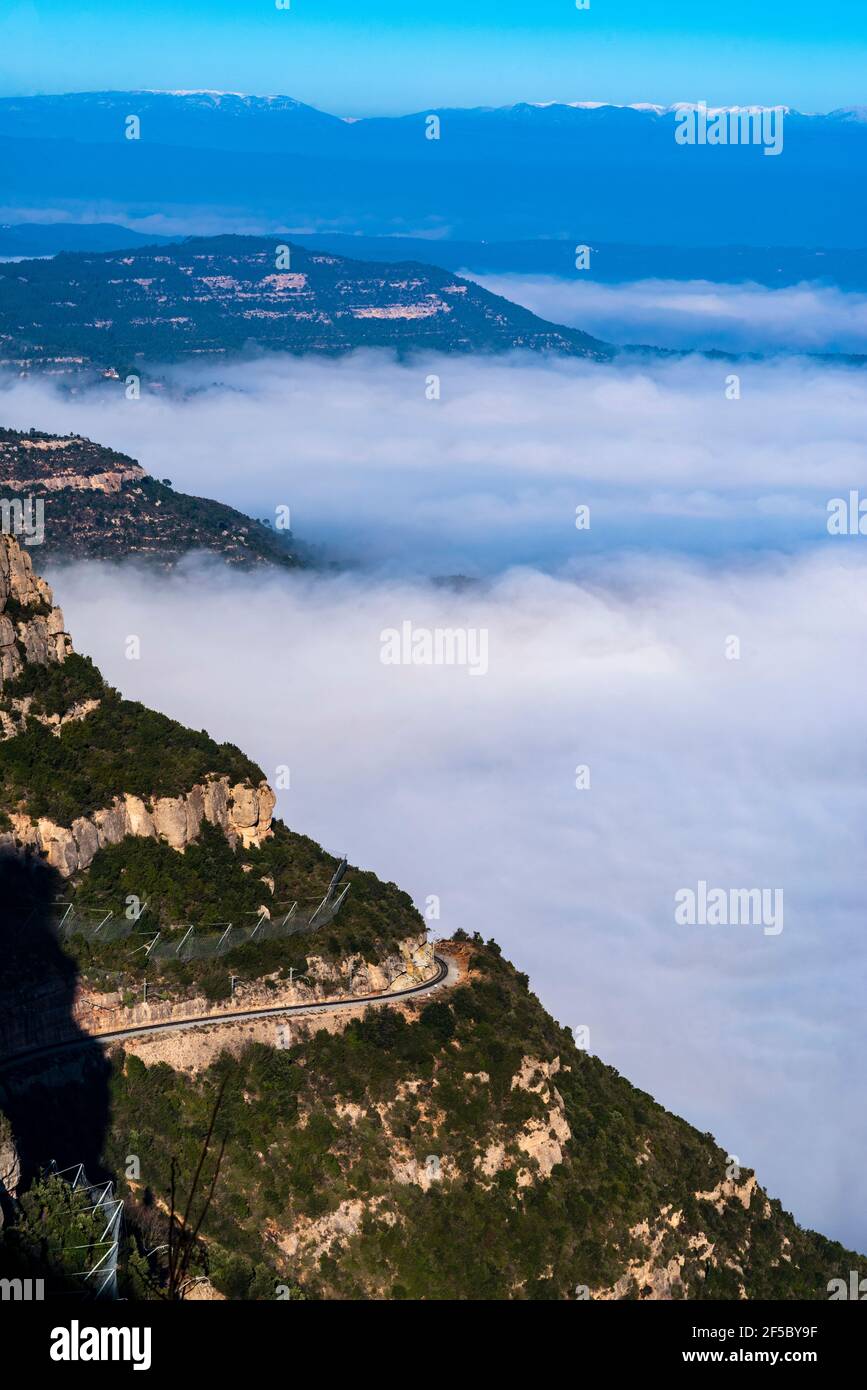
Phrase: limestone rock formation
[10,1163]
[29,463]
[242,812]
[32,631]
[31,628]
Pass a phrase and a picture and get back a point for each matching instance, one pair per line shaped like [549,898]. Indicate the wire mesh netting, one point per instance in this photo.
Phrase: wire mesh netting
[189,942]
[100,1272]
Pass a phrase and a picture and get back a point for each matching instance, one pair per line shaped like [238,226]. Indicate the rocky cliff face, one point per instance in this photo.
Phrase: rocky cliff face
[54,463]
[32,633]
[10,1164]
[243,813]
[31,627]
[99,1012]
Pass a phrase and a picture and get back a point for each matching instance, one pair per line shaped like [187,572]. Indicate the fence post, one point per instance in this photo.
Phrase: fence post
[183,939]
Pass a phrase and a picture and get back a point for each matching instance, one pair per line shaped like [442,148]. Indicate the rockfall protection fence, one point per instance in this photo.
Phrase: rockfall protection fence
[188,942]
[100,1276]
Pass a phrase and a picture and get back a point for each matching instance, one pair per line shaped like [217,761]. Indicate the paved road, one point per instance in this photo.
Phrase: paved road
[447,974]
[278,1010]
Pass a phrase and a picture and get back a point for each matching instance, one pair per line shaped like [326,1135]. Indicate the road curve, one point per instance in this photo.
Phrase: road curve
[322,1006]
[442,977]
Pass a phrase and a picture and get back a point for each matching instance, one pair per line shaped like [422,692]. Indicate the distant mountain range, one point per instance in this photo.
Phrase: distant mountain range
[574,172]
[218,296]
[774,266]
[47,238]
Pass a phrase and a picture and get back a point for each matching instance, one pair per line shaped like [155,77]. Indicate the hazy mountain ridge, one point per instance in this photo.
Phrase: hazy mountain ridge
[247,121]
[773,266]
[28,239]
[589,172]
[218,296]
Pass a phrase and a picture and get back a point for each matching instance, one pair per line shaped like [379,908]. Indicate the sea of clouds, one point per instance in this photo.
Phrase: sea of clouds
[664,453]
[696,314]
[607,648]
[743,773]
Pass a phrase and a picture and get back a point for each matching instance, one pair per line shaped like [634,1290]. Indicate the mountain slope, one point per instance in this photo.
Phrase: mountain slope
[455,1147]
[216,296]
[116,798]
[100,504]
[467,1149]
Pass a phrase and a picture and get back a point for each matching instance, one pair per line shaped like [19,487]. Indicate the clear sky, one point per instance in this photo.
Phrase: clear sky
[359,57]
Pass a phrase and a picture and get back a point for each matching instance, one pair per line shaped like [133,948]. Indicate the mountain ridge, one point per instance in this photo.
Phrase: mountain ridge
[621,263]
[226,295]
[98,503]
[603,169]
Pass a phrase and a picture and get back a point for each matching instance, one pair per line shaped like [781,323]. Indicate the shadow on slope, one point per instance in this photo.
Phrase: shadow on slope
[53,1079]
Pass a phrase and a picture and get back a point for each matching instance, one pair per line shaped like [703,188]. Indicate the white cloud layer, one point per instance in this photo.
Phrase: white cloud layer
[696,314]
[606,648]
[745,773]
[492,471]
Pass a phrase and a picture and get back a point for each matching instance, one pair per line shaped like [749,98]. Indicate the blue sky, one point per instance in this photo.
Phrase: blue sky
[390,55]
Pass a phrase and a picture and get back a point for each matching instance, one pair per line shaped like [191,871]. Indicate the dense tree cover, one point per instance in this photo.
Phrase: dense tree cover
[54,1234]
[57,688]
[151,521]
[293,1153]
[141,516]
[171,303]
[121,747]
[209,884]
[204,885]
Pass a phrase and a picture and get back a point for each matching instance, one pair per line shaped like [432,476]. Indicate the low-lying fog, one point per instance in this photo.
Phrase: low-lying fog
[697,455]
[745,772]
[701,649]
[697,314]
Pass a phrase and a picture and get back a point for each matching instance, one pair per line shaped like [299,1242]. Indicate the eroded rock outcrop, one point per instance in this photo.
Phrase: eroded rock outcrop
[58,464]
[242,812]
[15,716]
[10,1163]
[98,1012]
[32,631]
[541,1139]
[31,627]
[658,1272]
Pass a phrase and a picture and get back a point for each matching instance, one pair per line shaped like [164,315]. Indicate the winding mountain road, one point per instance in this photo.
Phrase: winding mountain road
[440,980]
[447,975]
